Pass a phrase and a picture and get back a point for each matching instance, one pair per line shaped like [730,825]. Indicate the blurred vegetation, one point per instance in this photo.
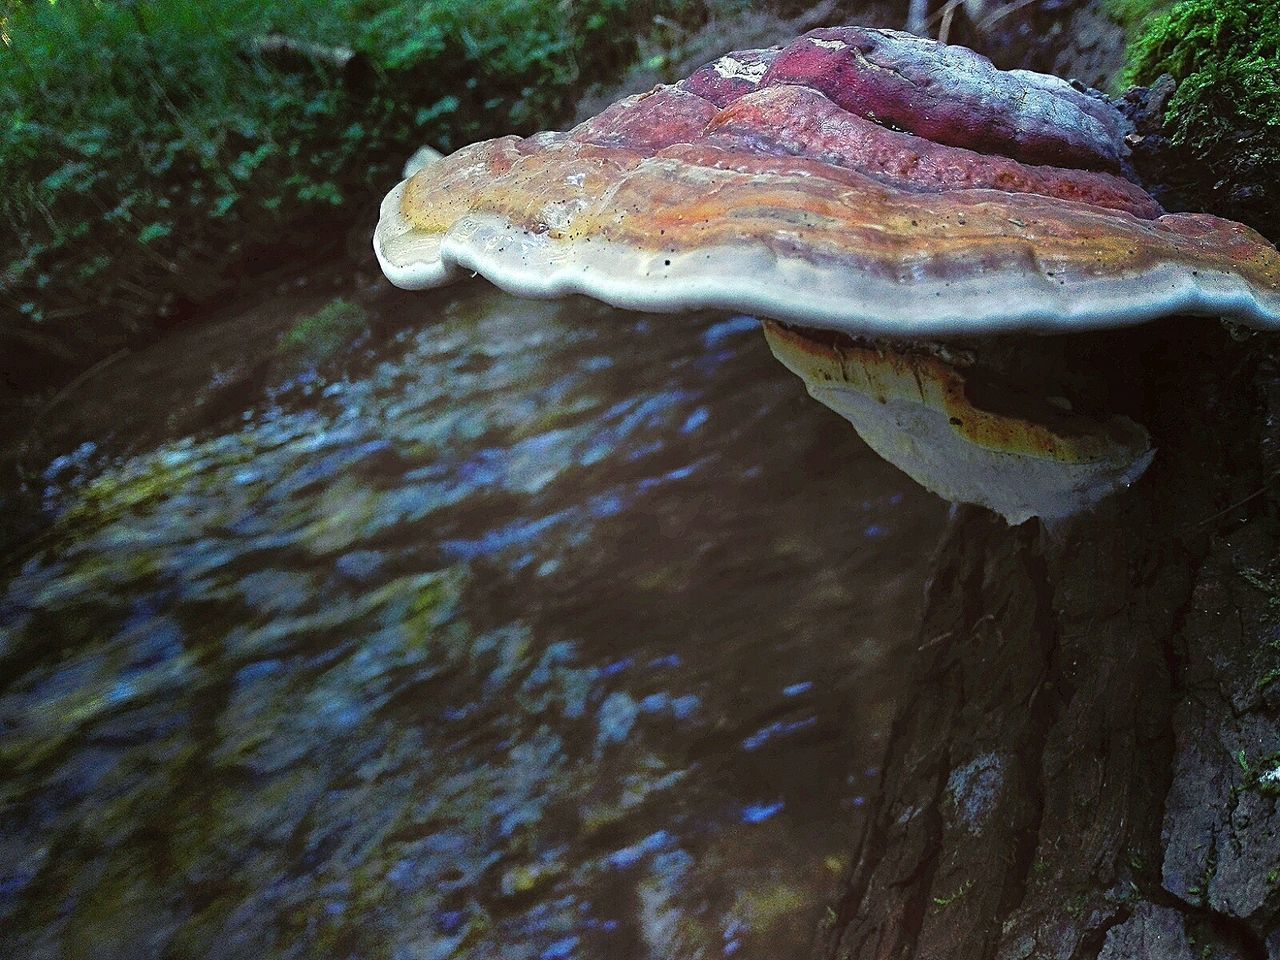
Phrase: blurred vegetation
[156,151]
[318,336]
[1224,115]
[1134,15]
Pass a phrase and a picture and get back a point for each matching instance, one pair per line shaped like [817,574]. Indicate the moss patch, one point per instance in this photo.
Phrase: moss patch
[320,335]
[156,153]
[1225,55]
[1224,115]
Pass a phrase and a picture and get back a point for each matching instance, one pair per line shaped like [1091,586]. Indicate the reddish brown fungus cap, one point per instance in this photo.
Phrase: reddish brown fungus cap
[947,94]
[862,180]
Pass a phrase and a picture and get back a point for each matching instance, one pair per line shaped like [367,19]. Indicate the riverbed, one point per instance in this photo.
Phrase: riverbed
[508,629]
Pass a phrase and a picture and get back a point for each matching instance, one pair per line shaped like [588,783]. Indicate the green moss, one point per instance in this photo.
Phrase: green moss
[1225,55]
[318,336]
[959,893]
[1225,112]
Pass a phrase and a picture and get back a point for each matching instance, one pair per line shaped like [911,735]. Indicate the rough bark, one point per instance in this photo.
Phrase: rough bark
[1089,765]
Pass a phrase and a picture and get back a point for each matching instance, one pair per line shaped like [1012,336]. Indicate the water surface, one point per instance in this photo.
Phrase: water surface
[518,630]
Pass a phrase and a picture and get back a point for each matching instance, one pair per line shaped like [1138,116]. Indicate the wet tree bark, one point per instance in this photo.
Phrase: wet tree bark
[1090,763]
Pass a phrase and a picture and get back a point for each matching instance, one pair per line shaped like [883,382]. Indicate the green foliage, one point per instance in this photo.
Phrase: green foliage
[1225,55]
[150,150]
[1134,15]
[1225,112]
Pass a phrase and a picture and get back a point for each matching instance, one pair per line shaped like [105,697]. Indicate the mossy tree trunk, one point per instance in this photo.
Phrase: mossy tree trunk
[1088,765]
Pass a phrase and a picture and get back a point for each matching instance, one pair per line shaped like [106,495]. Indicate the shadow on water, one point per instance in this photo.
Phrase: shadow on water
[522,630]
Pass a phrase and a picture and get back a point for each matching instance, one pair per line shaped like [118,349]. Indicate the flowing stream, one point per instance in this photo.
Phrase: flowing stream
[515,630]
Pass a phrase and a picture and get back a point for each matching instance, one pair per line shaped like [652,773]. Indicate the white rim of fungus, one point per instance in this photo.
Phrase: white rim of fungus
[751,278]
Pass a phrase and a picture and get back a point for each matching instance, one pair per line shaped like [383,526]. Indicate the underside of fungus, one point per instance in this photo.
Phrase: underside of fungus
[871,184]
[976,436]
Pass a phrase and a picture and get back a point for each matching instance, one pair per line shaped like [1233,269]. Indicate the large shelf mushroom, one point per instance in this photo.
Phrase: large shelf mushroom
[875,196]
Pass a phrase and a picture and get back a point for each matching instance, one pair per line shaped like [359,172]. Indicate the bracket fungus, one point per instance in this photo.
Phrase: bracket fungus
[894,207]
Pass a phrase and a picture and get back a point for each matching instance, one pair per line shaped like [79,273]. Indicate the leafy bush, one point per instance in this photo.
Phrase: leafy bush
[1225,111]
[153,154]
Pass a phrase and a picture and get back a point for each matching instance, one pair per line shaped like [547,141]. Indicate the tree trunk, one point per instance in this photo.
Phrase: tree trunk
[1089,765]
[917,17]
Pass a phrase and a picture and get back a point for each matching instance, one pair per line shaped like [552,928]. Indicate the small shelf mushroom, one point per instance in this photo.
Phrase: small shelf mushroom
[876,196]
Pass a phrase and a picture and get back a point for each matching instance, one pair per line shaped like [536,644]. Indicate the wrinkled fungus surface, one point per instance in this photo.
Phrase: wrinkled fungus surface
[860,180]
